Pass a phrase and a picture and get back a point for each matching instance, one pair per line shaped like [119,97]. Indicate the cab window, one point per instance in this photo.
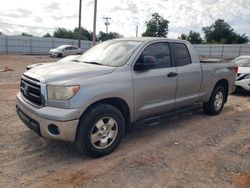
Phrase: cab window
[160,52]
[182,56]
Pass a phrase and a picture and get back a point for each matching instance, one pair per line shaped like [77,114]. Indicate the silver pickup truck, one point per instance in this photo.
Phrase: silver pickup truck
[92,100]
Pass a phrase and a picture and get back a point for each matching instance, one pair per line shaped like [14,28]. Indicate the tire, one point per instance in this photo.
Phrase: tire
[100,130]
[60,55]
[216,102]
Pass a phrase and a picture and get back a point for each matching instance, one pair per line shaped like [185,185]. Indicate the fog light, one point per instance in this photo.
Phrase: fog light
[53,129]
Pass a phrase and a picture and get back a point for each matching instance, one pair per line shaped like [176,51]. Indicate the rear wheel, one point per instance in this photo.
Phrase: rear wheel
[216,102]
[100,130]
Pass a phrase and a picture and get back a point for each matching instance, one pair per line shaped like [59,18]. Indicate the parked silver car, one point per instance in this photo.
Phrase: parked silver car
[93,100]
[65,50]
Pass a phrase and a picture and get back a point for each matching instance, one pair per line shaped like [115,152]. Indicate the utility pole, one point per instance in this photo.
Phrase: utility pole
[136,34]
[79,25]
[107,23]
[94,24]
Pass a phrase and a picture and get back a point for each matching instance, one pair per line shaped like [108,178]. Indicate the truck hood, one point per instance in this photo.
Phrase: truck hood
[67,71]
[244,70]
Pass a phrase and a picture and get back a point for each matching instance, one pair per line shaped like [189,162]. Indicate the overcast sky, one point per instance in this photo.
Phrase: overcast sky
[38,17]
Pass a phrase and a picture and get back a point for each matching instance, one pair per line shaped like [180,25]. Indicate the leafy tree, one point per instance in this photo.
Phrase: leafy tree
[85,34]
[1,33]
[157,26]
[183,37]
[111,35]
[192,37]
[26,34]
[47,35]
[63,33]
[69,34]
[222,33]
[242,39]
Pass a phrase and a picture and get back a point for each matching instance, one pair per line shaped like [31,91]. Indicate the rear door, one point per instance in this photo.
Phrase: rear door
[189,76]
[74,50]
[154,90]
[67,51]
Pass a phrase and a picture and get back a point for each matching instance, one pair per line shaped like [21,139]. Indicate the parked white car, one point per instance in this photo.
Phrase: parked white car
[65,50]
[243,76]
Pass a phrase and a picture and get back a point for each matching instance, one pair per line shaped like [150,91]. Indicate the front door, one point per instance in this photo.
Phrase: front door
[155,88]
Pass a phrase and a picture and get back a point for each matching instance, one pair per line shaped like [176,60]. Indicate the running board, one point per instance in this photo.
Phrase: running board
[155,120]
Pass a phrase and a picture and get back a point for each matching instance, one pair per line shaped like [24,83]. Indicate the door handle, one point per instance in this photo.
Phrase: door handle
[172,74]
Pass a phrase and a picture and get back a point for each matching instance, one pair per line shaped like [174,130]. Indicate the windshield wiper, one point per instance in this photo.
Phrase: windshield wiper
[92,62]
[75,60]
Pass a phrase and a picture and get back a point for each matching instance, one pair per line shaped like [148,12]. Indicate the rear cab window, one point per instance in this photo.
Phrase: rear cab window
[182,56]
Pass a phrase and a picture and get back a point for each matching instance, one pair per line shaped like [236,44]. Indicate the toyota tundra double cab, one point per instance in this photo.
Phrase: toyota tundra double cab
[90,101]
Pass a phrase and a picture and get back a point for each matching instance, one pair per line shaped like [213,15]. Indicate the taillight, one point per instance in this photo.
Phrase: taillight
[236,68]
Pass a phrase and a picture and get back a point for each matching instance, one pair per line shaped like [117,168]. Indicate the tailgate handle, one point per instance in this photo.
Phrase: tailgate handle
[172,74]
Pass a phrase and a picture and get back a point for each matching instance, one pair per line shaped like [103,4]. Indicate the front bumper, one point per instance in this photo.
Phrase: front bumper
[245,84]
[53,54]
[39,119]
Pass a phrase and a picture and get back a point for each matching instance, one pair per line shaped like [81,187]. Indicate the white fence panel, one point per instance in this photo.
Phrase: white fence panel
[35,45]
[42,45]
[222,50]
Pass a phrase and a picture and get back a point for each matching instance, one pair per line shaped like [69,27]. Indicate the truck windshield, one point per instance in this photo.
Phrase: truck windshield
[114,53]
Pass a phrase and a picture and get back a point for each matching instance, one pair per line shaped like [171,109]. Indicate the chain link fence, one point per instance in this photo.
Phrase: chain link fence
[35,45]
[42,45]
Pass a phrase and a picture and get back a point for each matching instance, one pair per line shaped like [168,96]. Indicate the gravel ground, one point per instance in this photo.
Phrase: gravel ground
[190,149]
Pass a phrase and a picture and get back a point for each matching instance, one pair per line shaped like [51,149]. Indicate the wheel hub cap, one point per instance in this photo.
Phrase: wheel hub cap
[218,100]
[104,132]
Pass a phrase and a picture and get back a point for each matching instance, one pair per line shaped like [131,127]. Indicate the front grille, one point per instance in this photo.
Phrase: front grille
[31,89]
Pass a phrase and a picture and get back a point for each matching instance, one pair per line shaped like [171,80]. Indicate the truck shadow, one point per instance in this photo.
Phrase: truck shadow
[166,122]
[241,93]
[138,131]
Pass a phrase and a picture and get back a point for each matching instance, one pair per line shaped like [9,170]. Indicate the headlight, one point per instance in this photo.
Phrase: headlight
[61,92]
[247,76]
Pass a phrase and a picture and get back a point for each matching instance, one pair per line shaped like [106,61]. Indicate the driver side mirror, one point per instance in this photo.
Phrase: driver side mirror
[145,63]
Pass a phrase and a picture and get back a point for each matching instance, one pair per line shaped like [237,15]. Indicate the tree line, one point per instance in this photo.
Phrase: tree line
[73,34]
[84,34]
[219,32]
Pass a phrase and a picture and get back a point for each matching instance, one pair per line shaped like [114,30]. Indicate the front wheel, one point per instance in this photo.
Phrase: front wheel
[60,55]
[100,130]
[216,102]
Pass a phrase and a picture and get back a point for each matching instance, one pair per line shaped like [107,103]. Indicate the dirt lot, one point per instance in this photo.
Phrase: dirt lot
[190,149]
